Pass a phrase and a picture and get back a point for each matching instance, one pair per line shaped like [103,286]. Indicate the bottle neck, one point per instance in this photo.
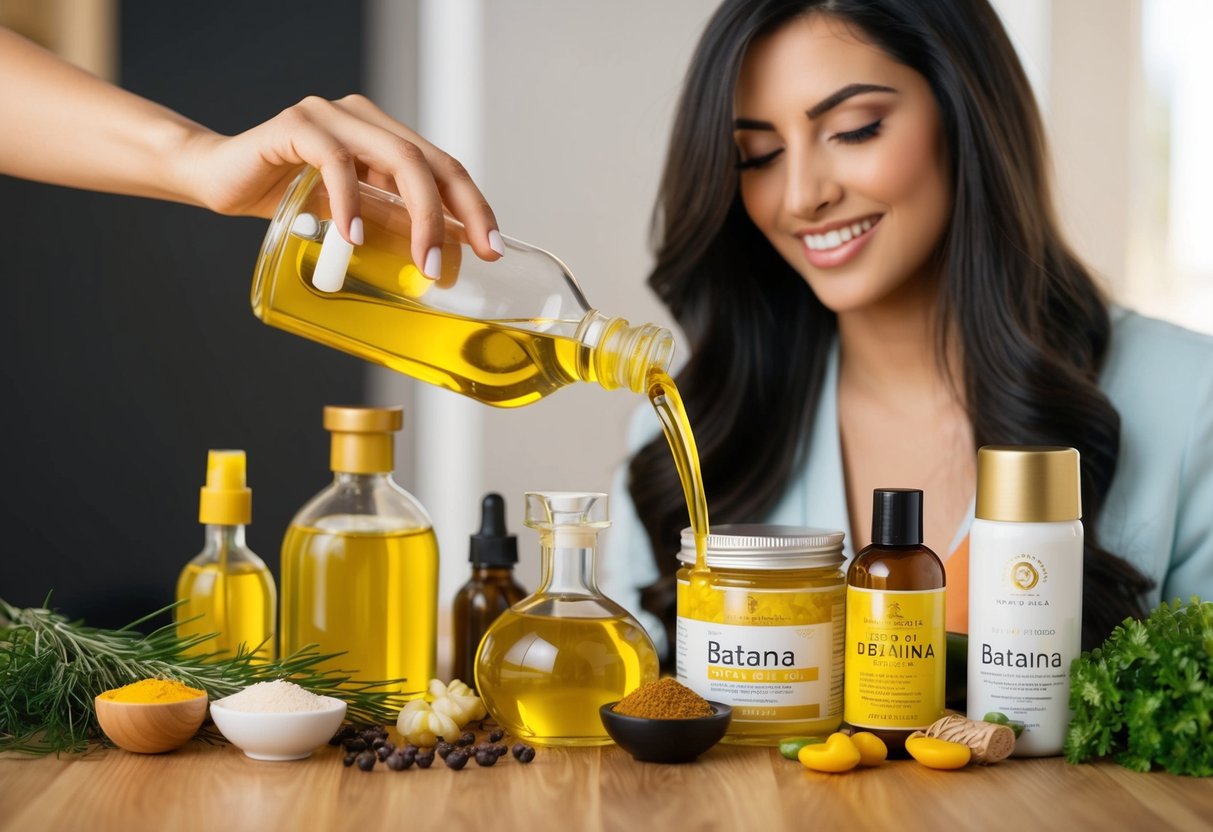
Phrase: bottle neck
[568,561]
[348,481]
[621,355]
[224,543]
[481,571]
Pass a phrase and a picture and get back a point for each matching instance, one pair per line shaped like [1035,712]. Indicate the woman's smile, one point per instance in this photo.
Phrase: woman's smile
[836,243]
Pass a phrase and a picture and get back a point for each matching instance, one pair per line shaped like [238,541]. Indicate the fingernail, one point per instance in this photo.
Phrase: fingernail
[433,263]
[356,231]
[495,242]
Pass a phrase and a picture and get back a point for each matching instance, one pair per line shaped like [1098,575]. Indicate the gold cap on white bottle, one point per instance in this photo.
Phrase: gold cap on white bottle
[1028,484]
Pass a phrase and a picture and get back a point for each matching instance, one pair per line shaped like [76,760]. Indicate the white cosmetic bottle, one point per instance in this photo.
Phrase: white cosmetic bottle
[1025,590]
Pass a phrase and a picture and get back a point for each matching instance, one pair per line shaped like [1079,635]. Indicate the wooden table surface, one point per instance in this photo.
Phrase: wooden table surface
[215,787]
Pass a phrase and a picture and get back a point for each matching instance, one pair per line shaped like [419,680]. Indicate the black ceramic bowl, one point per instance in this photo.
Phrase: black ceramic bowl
[666,740]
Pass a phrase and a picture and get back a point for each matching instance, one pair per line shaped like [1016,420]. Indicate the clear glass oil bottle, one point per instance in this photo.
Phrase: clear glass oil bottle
[506,333]
[360,562]
[227,589]
[548,663]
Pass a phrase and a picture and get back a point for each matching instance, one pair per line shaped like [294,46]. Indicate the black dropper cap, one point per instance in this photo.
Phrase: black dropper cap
[493,545]
[897,517]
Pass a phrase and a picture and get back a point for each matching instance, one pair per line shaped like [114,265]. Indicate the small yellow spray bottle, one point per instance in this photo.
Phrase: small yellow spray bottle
[227,589]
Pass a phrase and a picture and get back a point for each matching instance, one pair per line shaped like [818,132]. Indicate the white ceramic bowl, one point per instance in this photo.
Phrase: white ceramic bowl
[290,735]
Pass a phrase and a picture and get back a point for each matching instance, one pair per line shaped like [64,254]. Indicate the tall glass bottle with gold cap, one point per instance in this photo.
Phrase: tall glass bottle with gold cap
[226,589]
[360,561]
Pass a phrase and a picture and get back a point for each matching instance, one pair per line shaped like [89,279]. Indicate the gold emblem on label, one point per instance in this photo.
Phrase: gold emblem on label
[1024,575]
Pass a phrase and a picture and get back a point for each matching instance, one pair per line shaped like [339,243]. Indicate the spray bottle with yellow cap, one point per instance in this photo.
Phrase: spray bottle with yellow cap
[360,561]
[227,589]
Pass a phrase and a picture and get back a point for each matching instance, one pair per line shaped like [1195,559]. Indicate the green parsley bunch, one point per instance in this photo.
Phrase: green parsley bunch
[1145,697]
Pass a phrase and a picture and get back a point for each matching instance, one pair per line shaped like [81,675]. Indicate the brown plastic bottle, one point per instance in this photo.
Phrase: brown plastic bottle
[894,669]
[489,592]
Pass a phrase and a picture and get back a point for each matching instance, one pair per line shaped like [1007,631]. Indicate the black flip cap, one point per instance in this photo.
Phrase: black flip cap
[493,545]
[897,517]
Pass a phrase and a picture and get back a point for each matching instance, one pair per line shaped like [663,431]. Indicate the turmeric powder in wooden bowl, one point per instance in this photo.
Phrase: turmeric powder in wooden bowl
[665,722]
[152,715]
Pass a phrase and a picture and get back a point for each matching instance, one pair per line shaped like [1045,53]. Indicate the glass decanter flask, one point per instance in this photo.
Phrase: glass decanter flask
[549,662]
[505,333]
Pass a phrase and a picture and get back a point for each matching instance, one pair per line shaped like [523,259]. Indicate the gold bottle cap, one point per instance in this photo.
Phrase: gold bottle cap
[1028,484]
[362,438]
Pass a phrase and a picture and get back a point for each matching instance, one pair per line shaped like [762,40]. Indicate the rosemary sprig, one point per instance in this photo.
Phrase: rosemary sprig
[52,668]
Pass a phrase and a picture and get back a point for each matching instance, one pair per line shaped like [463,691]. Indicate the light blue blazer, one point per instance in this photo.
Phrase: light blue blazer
[1158,513]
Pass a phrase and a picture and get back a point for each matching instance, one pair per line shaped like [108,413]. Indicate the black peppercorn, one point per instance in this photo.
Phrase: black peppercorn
[467,738]
[348,759]
[395,761]
[355,744]
[495,736]
[377,742]
[444,748]
[384,750]
[485,758]
[366,760]
[526,754]
[517,749]
[457,759]
[425,760]
[343,734]
[500,750]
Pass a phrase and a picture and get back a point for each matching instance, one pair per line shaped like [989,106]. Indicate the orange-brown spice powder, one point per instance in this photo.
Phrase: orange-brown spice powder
[664,699]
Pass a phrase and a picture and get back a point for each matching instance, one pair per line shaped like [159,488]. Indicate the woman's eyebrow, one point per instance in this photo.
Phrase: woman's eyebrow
[820,108]
[838,96]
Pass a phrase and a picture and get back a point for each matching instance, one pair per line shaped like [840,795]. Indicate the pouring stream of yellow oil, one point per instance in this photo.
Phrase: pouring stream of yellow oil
[668,404]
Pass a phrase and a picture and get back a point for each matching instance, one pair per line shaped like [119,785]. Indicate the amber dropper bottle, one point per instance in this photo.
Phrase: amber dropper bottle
[894,669]
[489,592]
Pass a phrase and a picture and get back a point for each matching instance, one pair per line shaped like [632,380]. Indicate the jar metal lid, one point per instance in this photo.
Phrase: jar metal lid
[757,546]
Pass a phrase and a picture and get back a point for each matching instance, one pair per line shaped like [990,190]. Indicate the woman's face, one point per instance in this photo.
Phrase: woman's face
[843,162]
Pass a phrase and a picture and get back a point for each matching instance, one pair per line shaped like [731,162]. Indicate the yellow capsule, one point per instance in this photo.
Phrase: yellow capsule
[835,755]
[872,750]
[936,753]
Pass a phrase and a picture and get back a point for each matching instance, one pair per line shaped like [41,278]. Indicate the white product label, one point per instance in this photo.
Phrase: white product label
[1025,626]
[768,674]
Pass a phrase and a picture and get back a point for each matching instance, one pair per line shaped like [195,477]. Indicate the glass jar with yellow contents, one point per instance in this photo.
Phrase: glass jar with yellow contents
[763,631]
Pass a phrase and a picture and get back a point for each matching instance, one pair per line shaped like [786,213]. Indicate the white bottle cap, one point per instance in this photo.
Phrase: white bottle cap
[335,254]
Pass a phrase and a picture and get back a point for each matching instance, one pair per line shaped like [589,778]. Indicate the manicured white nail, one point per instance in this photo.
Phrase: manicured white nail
[433,263]
[356,231]
[495,242]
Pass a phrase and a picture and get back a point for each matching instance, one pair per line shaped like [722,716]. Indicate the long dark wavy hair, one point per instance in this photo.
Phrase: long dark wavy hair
[1031,322]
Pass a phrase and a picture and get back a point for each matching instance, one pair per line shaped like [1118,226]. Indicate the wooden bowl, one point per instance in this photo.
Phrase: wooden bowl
[150,728]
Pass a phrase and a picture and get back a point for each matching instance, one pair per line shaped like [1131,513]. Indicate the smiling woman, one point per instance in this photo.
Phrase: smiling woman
[856,231]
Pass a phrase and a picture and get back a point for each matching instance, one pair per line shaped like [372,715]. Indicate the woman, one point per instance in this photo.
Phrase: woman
[856,233]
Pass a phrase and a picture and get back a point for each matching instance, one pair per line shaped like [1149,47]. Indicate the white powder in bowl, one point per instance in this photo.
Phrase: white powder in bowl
[278,696]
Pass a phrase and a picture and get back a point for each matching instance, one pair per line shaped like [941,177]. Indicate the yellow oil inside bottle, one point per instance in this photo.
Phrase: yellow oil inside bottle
[370,593]
[235,600]
[492,361]
[552,673]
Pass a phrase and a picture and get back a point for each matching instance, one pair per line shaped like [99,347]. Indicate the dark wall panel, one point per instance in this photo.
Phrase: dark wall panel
[127,345]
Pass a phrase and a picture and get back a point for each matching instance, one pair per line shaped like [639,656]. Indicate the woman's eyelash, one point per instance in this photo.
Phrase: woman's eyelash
[860,135]
[758,161]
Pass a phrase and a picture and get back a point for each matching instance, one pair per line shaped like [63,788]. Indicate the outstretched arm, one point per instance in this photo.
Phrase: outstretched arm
[64,126]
